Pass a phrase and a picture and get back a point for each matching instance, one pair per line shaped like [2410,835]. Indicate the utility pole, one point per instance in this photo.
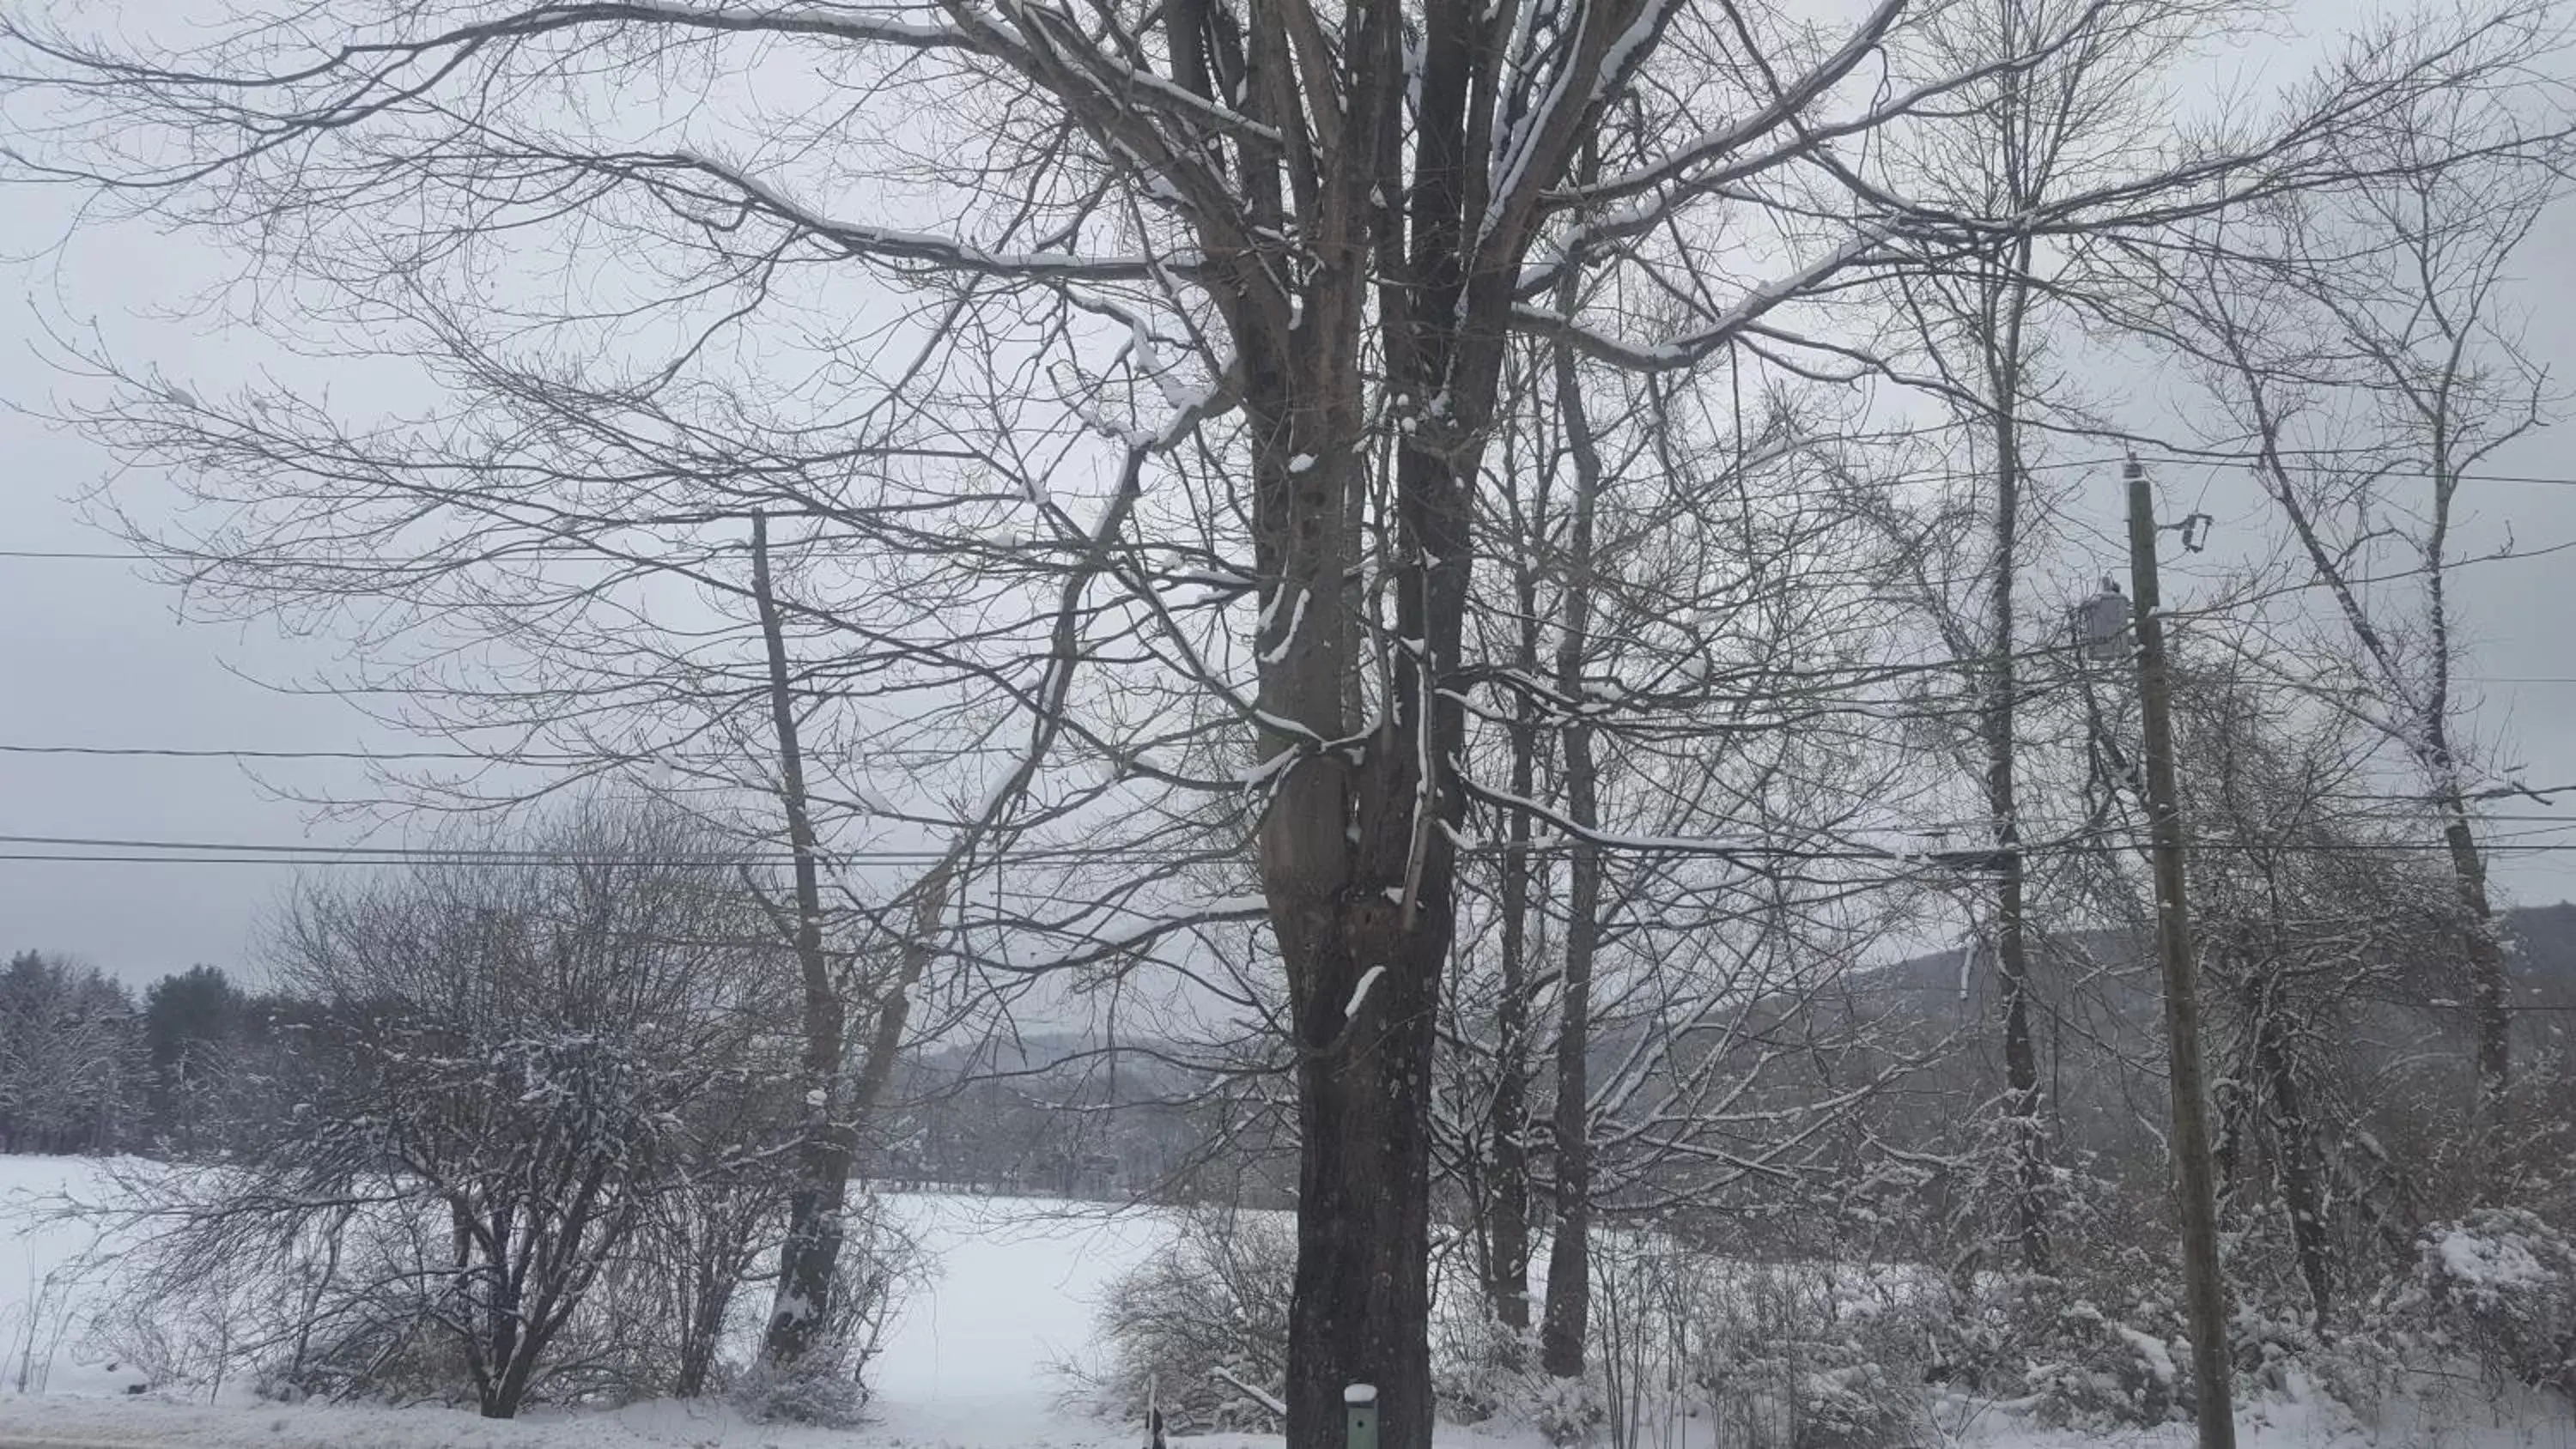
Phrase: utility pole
[2204,1290]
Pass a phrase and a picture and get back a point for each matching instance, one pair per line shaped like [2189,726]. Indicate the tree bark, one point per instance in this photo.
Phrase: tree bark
[811,1252]
[1569,1258]
[1359,877]
[2024,1127]
[2302,1186]
[2490,993]
[1357,850]
[1362,1289]
[1507,1208]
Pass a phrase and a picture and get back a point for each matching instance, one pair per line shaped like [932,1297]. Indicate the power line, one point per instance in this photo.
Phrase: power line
[2181,457]
[2185,457]
[500,756]
[185,753]
[112,850]
[374,854]
[2214,460]
[1783,682]
[2499,792]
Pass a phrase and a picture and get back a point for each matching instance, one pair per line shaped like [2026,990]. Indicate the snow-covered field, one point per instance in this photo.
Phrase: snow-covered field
[970,1366]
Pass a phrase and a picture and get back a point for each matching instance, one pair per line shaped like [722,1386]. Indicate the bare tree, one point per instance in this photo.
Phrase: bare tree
[498,1061]
[2315,913]
[1569,1260]
[1282,175]
[2053,121]
[2362,342]
[2072,121]
[836,1096]
[554,635]
[1663,660]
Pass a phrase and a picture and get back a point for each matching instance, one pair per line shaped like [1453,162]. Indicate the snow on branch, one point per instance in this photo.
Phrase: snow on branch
[1104,944]
[845,22]
[1268,1401]
[1724,141]
[1691,346]
[892,244]
[1133,83]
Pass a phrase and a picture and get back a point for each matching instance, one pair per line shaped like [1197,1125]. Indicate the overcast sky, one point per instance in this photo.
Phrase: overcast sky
[92,655]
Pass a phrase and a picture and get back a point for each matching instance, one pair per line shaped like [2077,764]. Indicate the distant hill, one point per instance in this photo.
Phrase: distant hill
[2545,944]
[2542,955]
[2099,1018]
[1027,1113]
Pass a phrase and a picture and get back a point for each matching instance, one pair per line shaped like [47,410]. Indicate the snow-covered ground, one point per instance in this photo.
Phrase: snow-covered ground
[971,1365]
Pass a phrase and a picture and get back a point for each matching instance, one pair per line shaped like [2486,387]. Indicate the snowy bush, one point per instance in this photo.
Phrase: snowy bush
[2095,1353]
[700,1249]
[1201,1326]
[823,1388]
[1697,1348]
[2092,1367]
[880,1266]
[212,1281]
[506,1088]
[1807,1355]
[184,1330]
[378,1348]
[2498,1286]
[1483,1368]
[33,1326]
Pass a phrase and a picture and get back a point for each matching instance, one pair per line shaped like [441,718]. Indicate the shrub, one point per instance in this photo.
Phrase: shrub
[1202,1318]
[1804,1354]
[822,1388]
[2097,1349]
[880,1266]
[2499,1285]
[1760,1356]
[1481,1368]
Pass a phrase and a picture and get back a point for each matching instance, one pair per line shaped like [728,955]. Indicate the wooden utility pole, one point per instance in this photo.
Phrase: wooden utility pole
[2204,1290]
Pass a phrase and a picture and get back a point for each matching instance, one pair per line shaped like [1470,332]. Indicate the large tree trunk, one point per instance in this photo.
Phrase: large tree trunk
[1358,852]
[1364,914]
[1358,847]
[1359,877]
[1363,1296]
